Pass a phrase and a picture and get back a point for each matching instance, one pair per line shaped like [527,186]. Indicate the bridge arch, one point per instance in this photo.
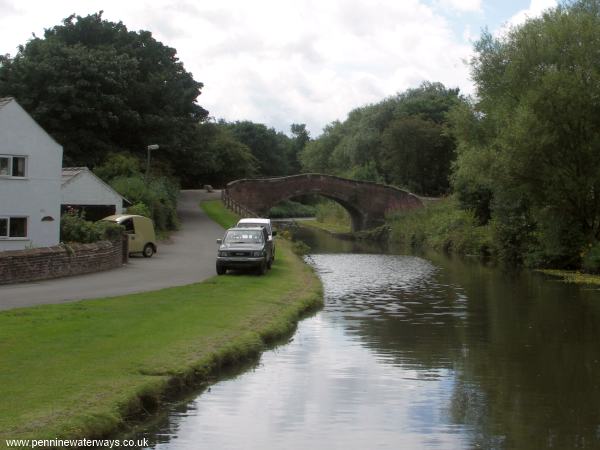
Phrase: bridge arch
[366,202]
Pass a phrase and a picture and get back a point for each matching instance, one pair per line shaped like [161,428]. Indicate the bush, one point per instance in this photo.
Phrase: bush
[159,195]
[292,209]
[140,209]
[109,231]
[74,228]
[442,225]
[118,165]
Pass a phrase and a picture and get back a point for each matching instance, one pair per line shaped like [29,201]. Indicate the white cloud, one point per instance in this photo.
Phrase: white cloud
[461,5]
[283,61]
[536,8]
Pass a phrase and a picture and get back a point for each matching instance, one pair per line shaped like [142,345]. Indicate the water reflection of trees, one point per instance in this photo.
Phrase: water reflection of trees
[524,351]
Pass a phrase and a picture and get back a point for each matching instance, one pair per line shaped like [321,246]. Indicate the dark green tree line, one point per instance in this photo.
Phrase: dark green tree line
[98,87]
[402,140]
[102,90]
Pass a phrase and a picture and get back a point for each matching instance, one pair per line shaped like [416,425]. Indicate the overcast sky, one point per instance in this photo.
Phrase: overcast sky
[280,62]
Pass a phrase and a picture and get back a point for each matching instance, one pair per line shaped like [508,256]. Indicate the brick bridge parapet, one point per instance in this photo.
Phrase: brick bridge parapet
[366,202]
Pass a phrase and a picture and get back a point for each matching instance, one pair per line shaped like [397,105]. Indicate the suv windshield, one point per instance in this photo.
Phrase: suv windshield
[244,237]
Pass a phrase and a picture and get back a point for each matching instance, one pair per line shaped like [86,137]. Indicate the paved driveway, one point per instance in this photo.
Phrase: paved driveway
[189,256]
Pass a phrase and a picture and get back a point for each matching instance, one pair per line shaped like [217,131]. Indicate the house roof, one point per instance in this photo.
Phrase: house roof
[71,173]
[68,173]
[5,101]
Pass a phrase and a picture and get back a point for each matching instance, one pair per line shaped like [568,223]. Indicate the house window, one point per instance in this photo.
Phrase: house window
[13,227]
[12,166]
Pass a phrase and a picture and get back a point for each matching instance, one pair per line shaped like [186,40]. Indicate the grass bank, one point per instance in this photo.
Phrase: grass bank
[217,212]
[81,370]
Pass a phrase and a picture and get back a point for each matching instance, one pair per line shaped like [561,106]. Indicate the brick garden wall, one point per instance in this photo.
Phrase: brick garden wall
[60,261]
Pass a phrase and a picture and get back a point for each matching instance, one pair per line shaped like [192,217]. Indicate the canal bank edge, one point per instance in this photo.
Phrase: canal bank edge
[571,276]
[104,381]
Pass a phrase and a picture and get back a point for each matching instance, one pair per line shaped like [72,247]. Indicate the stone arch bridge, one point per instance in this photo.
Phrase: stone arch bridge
[366,202]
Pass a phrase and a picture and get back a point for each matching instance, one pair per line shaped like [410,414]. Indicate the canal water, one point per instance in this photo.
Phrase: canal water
[412,352]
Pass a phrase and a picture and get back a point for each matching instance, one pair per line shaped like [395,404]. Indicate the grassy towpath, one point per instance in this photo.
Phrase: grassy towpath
[79,370]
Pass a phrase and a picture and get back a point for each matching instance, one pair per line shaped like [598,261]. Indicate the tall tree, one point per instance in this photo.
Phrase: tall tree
[269,148]
[538,91]
[300,138]
[98,87]
[417,155]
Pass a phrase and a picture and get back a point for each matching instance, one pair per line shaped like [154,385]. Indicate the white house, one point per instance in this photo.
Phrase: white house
[83,191]
[30,179]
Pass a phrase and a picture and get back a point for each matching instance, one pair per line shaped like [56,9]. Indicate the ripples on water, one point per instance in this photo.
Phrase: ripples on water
[359,285]
[327,388]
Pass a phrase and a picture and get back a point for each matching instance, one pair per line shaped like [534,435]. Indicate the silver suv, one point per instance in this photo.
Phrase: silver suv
[245,248]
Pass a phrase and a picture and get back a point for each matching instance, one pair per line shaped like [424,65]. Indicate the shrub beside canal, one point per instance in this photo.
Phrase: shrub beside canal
[442,225]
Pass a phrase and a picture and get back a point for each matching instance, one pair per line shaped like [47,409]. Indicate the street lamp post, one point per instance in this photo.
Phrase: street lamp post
[150,148]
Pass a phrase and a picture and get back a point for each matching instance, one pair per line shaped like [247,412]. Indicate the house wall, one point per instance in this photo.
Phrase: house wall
[60,261]
[86,189]
[38,194]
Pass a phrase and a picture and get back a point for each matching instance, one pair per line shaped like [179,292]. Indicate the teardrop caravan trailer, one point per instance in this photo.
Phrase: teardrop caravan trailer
[140,231]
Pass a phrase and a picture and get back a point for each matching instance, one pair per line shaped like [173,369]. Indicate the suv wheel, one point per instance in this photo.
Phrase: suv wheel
[221,270]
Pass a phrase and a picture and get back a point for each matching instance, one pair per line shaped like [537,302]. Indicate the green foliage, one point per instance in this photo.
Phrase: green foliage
[300,138]
[97,87]
[290,208]
[233,159]
[417,155]
[74,228]
[159,195]
[221,152]
[118,165]
[401,140]
[329,211]
[366,172]
[269,148]
[140,209]
[316,156]
[217,212]
[528,148]
[105,93]
[442,225]
[473,177]
[300,248]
